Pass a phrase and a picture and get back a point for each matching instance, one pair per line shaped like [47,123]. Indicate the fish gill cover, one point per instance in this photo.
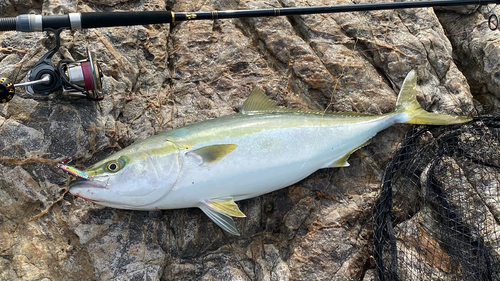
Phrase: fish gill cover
[438,214]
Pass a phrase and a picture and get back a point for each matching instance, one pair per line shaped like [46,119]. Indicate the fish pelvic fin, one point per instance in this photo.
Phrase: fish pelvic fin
[221,212]
[224,221]
[407,103]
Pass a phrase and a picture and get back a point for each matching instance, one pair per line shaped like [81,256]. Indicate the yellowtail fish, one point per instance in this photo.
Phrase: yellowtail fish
[212,164]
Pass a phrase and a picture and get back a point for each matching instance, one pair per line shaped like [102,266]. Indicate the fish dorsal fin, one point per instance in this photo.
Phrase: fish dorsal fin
[211,154]
[258,102]
[221,212]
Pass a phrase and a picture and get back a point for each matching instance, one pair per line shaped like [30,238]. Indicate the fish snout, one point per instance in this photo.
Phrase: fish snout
[87,189]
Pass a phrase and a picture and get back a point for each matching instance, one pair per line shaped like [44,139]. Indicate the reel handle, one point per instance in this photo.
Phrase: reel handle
[45,79]
[7,90]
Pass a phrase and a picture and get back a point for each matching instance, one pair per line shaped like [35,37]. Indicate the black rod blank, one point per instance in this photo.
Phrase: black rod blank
[324,9]
[109,19]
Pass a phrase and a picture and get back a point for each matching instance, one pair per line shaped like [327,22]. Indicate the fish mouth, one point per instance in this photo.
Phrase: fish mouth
[88,183]
[81,185]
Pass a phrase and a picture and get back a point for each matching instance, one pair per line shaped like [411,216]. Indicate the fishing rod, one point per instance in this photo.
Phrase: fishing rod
[83,78]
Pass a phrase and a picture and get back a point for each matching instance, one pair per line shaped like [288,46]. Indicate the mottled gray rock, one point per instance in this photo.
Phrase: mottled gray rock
[476,51]
[12,8]
[160,77]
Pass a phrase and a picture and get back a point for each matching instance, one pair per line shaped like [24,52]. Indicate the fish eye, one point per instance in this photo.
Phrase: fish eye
[113,166]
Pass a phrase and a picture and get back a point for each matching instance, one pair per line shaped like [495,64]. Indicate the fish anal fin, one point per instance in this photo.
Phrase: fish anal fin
[213,153]
[222,220]
[342,161]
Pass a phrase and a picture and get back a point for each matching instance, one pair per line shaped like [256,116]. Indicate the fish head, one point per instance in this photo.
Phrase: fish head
[134,180]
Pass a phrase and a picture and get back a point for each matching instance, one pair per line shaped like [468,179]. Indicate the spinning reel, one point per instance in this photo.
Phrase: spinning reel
[80,79]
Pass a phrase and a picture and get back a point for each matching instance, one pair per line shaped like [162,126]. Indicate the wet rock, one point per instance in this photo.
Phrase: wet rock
[159,77]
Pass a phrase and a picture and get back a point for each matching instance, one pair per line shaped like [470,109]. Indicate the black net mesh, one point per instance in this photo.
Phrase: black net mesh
[438,217]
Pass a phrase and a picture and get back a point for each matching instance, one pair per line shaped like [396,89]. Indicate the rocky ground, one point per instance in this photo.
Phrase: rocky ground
[159,77]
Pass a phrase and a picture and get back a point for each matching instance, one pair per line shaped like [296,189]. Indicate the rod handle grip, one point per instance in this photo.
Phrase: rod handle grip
[109,19]
[7,24]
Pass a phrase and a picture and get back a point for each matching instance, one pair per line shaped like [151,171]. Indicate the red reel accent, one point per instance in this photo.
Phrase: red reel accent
[88,76]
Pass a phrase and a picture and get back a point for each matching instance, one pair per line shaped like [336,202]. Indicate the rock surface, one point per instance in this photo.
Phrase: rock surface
[160,77]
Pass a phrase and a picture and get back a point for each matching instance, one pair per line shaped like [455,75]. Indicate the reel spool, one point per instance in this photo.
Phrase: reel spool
[81,78]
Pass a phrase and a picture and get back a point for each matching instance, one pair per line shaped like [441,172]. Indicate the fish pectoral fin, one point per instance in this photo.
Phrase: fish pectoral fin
[220,212]
[213,153]
[342,161]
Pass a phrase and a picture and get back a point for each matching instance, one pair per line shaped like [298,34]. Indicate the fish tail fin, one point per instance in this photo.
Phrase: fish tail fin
[407,103]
